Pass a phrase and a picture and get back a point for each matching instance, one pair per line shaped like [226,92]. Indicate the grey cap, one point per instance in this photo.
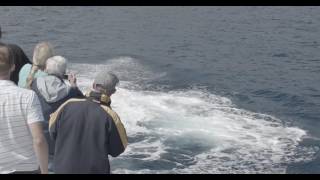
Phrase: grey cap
[106,80]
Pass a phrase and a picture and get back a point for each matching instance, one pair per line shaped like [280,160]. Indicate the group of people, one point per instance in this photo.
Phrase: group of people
[47,123]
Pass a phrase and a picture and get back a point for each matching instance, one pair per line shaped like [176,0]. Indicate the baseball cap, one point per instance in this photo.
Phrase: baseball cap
[106,80]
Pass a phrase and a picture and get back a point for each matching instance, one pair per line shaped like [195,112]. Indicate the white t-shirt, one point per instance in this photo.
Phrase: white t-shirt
[18,108]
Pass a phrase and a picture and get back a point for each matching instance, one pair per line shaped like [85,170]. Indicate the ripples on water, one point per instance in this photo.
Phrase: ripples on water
[194,131]
[203,89]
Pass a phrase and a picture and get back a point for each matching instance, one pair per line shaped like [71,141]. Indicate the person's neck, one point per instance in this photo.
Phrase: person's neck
[99,92]
[98,96]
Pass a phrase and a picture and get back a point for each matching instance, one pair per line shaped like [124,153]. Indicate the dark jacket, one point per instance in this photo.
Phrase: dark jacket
[52,92]
[85,132]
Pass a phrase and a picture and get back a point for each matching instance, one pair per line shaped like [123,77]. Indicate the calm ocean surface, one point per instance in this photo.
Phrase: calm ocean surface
[203,89]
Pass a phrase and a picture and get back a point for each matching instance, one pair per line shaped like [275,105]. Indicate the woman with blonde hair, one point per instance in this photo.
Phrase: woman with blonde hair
[28,72]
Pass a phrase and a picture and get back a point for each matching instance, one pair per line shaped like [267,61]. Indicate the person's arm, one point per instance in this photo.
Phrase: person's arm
[75,91]
[40,146]
[73,80]
[117,141]
[53,123]
[34,120]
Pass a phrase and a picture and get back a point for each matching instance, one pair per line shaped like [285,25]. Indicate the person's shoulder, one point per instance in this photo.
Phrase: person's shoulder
[25,70]
[75,102]
[23,73]
[75,92]
[73,105]
[114,115]
[14,46]
[25,93]
[80,104]
[40,73]
[26,67]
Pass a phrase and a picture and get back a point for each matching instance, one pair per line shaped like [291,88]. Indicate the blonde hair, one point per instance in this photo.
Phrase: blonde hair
[42,52]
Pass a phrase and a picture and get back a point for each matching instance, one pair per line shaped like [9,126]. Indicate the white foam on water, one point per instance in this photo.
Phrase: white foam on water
[195,130]
[126,68]
[240,141]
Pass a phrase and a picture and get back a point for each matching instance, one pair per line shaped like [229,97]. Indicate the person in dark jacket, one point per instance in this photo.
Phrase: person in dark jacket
[19,58]
[53,91]
[87,130]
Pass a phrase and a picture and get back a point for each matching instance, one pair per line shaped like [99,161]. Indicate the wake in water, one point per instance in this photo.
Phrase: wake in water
[193,131]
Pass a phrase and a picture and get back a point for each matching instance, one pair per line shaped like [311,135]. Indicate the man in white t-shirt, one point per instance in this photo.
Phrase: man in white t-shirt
[23,147]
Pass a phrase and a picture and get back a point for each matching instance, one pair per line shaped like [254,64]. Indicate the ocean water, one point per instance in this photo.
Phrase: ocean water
[203,89]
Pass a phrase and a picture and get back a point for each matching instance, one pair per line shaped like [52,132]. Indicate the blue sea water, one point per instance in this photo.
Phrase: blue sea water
[203,89]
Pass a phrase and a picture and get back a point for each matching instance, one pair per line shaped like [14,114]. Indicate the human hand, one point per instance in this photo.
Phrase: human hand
[72,79]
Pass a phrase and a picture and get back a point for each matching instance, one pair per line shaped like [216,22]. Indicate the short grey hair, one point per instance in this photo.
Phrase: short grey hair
[56,65]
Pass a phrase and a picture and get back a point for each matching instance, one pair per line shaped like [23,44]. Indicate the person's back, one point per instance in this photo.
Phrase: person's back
[82,144]
[16,147]
[22,144]
[53,91]
[24,72]
[85,132]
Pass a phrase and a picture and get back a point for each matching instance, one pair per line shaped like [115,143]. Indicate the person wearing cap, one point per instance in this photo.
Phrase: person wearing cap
[42,52]
[23,147]
[52,91]
[87,130]
[19,59]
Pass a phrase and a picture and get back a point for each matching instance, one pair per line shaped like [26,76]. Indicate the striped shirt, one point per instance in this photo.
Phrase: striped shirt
[18,108]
